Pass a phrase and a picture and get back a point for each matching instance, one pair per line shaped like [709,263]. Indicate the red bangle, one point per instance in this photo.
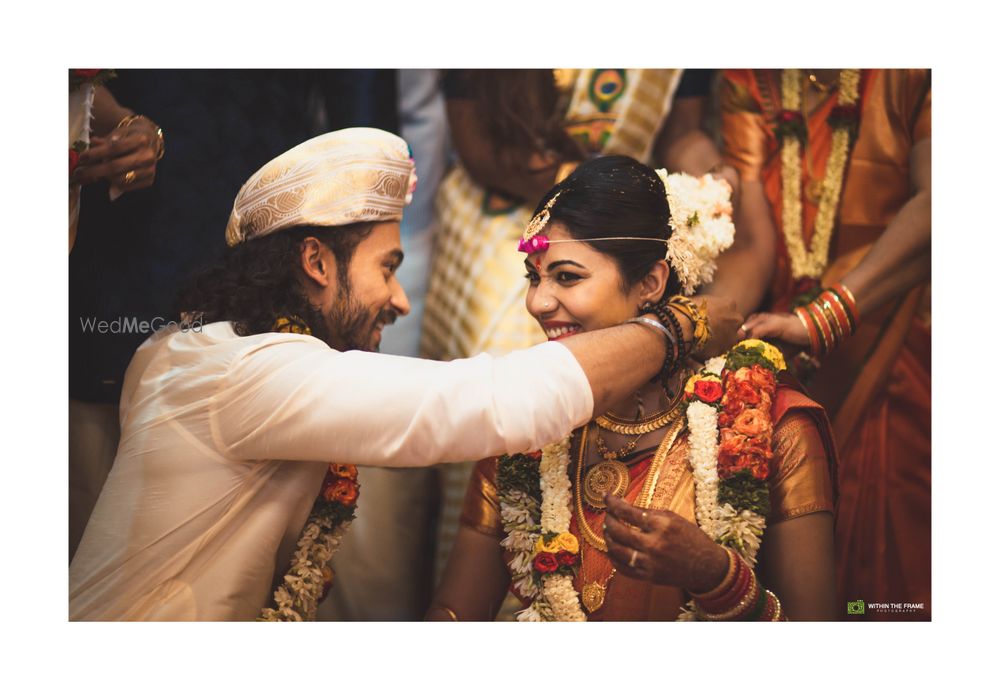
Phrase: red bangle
[847,298]
[807,321]
[732,596]
[832,320]
[836,307]
[821,326]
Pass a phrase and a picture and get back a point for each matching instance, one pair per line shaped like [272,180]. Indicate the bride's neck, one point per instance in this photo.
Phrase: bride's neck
[654,399]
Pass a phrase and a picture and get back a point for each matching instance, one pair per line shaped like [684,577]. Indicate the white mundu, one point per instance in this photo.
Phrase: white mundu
[226,439]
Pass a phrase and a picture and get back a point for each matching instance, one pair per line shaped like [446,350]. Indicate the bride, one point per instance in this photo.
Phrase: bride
[707,494]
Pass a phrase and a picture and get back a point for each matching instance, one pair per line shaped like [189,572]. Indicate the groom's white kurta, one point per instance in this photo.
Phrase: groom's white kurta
[225,442]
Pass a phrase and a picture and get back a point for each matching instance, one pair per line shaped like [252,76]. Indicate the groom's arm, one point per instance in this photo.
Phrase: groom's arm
[296,399]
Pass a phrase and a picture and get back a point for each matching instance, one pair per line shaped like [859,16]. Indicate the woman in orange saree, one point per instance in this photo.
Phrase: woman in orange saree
[835,181]
[604,260]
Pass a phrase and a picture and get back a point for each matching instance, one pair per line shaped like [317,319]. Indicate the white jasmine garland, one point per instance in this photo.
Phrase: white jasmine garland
[297,598]
[742,530]
[557,600]
[519,515]
[703,423]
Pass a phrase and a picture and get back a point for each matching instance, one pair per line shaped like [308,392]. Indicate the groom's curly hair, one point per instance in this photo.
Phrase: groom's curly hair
[259,281]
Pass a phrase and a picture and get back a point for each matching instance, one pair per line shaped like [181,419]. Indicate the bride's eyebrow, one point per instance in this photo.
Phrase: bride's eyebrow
[565,262]
[554,265]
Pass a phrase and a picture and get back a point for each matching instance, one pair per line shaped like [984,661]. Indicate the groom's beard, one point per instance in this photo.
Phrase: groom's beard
[353,327]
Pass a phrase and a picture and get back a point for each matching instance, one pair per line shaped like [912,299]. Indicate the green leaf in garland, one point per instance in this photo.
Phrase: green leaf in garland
[519,472]
[745,492]
[743,356]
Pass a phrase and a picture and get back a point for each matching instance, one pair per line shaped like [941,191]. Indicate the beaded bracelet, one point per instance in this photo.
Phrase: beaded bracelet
[676,356]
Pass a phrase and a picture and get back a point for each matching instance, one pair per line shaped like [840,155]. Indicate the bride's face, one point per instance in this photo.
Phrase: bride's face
[574,288]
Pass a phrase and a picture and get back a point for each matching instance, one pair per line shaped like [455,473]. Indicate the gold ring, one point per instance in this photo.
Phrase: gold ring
[129,177]
[631,561]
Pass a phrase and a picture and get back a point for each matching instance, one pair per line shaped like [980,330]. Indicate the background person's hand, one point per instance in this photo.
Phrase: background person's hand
[128,149]
[725,322]
[784,327]
[669,550]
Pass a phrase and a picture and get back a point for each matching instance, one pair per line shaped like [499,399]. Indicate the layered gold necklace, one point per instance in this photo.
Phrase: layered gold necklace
[612,475]
[592,593]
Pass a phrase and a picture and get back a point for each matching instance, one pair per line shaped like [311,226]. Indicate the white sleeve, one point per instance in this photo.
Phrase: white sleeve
[295,400]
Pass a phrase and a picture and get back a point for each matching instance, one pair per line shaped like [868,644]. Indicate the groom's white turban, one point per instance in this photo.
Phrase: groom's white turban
[347,176]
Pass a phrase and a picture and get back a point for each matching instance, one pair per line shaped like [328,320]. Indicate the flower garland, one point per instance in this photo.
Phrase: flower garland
[791,132]
[728,411]
[309,575]
[535,497]
[701,221]
[729,416]
[82,83]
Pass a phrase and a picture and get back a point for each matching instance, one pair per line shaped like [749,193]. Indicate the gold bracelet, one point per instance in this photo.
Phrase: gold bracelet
[451,614]
[126,121]
[698,314]
[777,606]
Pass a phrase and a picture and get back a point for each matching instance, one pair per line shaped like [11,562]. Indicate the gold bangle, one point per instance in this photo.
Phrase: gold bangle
[777,606]
[126,121]
[451,614]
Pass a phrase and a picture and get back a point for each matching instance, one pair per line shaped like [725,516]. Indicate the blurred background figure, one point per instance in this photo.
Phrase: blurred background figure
[835,223]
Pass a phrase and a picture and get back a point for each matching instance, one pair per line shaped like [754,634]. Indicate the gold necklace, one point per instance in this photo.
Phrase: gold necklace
[605,477]
[615,455]
[645,495]
[624,427]
[592,593]
[820,86]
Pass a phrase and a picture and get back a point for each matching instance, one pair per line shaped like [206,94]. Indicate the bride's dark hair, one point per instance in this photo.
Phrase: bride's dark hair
[616,196]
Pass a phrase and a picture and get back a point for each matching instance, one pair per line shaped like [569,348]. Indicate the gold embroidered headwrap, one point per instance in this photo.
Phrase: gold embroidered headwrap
[343,177]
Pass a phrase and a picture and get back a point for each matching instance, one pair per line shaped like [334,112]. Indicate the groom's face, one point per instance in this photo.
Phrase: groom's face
[372,297]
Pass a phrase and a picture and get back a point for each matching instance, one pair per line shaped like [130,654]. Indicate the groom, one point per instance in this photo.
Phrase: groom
[228,428]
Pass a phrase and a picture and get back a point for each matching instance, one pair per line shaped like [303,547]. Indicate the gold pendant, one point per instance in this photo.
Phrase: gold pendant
[604,477]
[593,596]
[814,191]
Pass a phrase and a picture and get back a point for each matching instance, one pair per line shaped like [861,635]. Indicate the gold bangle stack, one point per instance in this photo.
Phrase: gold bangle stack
[161,148]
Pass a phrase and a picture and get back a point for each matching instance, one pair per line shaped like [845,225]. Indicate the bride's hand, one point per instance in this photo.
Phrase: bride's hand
[666,549]
[785,327]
